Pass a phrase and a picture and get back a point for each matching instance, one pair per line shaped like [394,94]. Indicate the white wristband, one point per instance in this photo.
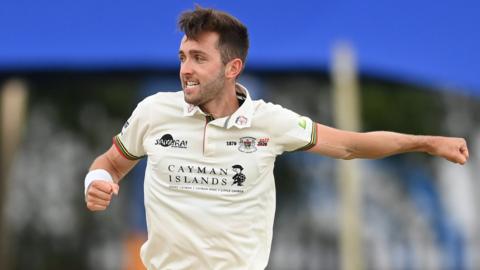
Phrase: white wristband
[98,174]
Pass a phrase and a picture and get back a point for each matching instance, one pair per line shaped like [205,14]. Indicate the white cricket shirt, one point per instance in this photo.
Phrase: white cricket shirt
[209,187]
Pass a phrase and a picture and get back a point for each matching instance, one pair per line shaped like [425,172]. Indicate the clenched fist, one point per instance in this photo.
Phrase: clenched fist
[99,194]
[452,149]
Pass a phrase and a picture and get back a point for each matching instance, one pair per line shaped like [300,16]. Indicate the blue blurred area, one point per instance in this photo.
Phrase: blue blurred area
[428,201]
[429,42]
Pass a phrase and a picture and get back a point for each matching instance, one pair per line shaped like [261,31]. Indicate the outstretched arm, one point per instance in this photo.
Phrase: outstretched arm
[378,144]
[99,192]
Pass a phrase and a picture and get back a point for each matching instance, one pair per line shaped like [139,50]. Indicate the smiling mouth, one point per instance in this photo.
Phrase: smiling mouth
[191,84]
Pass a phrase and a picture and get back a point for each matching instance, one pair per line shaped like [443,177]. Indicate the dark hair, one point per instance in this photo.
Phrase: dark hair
[233,35]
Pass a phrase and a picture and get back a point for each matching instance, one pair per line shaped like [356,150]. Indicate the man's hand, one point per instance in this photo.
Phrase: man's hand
[99,194]
[452,149]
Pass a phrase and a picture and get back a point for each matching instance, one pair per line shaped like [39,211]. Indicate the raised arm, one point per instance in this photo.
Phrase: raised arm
[107,170]
[378,144]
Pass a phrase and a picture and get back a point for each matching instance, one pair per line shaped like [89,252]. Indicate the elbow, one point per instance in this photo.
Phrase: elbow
[349,157]
[349,154]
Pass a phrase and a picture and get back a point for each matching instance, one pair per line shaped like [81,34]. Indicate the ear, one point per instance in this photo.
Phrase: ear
[233,68]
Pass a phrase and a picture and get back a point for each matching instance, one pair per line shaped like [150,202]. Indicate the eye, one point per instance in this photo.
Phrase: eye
[199,58]
[181,58]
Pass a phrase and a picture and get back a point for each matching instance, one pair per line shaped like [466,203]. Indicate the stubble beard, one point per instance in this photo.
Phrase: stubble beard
[207,91]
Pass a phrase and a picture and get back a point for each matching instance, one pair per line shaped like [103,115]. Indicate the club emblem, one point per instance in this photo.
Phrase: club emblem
[247,145]
[241,120]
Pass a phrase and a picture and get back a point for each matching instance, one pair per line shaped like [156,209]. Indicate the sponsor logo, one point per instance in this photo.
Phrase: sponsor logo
[302,122]
[201,175]
[239,177]
[168,141]
[241,120]
[205,178]
[124,127]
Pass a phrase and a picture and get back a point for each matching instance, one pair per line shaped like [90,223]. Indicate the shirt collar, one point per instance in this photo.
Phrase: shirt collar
[241,118]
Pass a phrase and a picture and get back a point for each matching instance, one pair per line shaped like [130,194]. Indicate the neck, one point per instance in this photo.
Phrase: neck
[223,105]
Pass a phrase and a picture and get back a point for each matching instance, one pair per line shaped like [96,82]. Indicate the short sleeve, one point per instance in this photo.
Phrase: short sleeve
[294,132]
[129,142]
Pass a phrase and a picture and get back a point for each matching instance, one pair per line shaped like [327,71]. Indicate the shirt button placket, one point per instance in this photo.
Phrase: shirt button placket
[207,148]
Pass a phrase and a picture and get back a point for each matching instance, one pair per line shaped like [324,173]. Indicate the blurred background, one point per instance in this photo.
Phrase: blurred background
[72,72]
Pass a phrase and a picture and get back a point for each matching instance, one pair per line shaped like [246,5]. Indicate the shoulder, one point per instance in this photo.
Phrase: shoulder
[274,118]
[162,99]
[272,110]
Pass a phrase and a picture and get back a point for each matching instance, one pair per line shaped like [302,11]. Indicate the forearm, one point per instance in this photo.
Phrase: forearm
[102,180]
[114,163]
[103,162]
[379,144]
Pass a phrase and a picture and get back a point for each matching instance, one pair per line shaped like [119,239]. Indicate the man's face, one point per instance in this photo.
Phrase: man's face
[202,72]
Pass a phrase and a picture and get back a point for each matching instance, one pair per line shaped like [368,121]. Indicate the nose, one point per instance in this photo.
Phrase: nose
[185,68]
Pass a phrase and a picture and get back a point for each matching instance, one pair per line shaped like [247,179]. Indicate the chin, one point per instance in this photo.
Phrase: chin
[191,100]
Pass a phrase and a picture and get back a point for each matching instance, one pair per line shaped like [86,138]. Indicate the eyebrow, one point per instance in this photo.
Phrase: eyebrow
[193,52]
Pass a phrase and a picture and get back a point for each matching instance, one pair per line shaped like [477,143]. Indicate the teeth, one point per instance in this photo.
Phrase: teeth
[191,84]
